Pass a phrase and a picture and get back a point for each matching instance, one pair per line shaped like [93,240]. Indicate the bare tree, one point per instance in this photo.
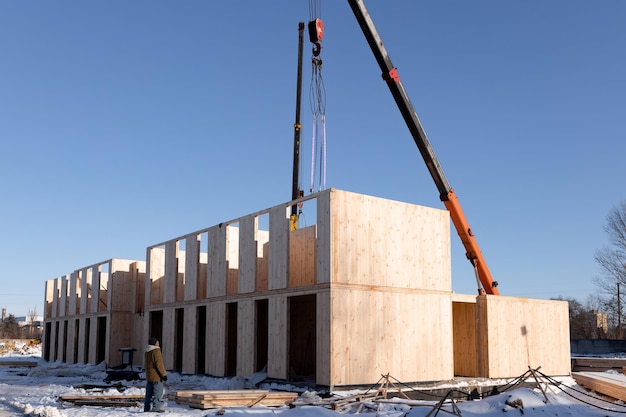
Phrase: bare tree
[612,261]
[585,321]
[31,320]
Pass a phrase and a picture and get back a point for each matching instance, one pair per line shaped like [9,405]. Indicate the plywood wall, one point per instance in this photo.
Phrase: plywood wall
[515,333]
[407,334]
[388,243]
[464,330]
[302,259]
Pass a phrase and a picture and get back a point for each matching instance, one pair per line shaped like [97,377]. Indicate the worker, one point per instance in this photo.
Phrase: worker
[155,376]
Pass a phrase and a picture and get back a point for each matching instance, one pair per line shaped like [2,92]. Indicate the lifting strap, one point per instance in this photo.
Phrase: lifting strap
[317,97]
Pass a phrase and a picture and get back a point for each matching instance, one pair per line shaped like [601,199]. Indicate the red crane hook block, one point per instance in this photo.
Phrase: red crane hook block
[316,30]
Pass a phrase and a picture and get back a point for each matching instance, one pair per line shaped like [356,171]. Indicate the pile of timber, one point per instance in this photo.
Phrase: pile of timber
[104,400]
[343,404]
[580,364]
[233,398]
[18,364]
[612,385]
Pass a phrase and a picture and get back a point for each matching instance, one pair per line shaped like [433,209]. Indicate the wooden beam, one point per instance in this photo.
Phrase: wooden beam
[613,385]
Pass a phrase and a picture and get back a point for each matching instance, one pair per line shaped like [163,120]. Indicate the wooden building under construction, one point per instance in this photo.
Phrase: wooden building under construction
[363,290]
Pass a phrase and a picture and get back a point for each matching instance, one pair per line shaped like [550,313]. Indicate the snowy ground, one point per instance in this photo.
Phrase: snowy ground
[35,391]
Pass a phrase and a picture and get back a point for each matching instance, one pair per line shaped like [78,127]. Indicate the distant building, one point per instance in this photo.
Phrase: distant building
[602,322]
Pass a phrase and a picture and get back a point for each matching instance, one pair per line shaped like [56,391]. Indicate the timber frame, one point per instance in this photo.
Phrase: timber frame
[361,291]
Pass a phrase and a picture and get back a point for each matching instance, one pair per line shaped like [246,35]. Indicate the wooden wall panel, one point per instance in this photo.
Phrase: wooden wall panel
[203,272]
[216,339]
[389,243]
[523,332]
[63,303]
[93,337]
[192,258]
[74,290]
[71,337]
[302,261]
[323,265]
[217,261]
[373,333]
[246,337]
[156,273]
[121,329]
[168,342]
[189,341]
[92,304]
[171,271]
[122,291]
[278,313]
[464,330]
[323,348]
[52,298]
[85,278]
[81,340]
[247,255]
[279,249]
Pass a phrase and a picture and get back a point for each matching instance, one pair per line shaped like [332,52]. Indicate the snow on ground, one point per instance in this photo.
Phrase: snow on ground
[35,391]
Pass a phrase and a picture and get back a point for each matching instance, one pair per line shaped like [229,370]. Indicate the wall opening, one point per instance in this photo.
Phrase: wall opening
[47,338]
[231,339]
[57,325]
[302,337]
[200,339]
[101,339]
[64,353]
[86,339]
[179,319]
[261,338]
[75,341]
[156,324]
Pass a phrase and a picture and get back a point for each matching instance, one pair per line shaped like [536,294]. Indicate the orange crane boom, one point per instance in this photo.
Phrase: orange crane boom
[446,193]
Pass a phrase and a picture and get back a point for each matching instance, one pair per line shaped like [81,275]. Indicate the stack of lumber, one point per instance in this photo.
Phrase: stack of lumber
[233,398]
[612,385]
[598,364]
[17,364]
[104,400]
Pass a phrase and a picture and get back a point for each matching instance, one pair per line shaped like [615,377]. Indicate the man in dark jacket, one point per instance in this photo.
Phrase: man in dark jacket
[155,375]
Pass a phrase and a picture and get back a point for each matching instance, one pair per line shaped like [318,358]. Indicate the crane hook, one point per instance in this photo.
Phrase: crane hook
[317,49]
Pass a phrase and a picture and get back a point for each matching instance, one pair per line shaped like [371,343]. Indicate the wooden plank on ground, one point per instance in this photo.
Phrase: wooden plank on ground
[109,397]
[233,398]
[580,364]
[613,385]
[104,400]
[27,364]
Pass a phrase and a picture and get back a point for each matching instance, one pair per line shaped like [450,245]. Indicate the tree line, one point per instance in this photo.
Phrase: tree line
[11,329]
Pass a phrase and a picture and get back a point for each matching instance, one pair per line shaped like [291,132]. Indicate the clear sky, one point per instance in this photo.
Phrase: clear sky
[127,123]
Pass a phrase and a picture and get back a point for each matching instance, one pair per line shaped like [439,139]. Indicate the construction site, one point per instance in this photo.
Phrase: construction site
[363,290]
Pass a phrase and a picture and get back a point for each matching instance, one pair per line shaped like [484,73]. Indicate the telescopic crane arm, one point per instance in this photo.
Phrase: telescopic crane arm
[446,193]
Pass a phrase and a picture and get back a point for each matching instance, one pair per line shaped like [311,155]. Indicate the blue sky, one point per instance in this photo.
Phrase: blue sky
[125,124]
